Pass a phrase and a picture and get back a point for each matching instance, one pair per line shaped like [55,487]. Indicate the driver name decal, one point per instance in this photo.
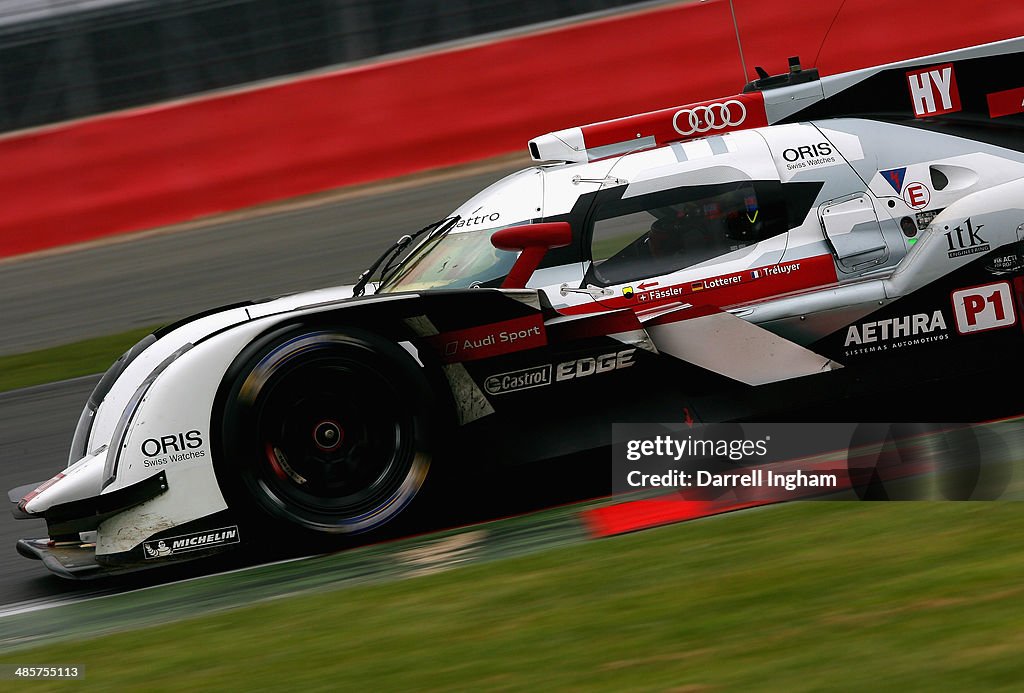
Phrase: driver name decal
[749,284]
[754,284]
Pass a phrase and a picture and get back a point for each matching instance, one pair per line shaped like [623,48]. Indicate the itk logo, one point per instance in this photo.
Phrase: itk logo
[966,240]
[933,91]
[983,308]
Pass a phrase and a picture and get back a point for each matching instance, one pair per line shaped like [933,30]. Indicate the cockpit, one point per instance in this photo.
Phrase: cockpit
[666,231]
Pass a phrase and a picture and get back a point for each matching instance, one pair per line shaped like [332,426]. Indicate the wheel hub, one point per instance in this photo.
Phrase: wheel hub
[328,435]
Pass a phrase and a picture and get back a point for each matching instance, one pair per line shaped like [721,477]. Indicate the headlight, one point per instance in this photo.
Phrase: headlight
[121,431]
[80,443]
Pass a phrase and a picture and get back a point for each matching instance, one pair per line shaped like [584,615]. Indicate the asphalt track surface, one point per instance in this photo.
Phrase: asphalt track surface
[34,441]
[111,287]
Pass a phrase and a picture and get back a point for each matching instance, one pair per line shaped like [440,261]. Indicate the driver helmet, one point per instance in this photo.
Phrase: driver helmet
[666,236]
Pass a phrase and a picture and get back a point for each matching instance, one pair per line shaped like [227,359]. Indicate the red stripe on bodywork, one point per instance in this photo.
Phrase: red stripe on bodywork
[598,325]
[39,489]
[687,122]
[486,341]
[727,290]
[1004,103]
[665,317]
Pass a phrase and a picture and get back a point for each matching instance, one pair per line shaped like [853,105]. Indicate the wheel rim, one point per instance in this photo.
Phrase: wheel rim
[335,445]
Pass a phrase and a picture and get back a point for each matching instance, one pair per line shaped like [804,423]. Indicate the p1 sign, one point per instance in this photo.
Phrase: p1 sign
[983,308]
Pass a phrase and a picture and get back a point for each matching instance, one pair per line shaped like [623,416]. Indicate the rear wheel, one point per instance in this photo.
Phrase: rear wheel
[326,430]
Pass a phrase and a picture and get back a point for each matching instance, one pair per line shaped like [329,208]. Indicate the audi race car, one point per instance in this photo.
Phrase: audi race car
[809,249]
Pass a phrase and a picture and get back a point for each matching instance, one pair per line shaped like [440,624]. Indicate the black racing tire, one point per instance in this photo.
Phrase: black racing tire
[324,432]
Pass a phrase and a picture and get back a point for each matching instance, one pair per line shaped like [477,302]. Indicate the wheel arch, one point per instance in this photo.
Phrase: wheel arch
[270,363]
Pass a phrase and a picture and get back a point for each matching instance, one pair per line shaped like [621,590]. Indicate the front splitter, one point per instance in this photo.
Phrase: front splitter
[73,560]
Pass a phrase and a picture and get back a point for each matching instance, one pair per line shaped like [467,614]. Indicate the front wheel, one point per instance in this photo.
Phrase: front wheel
[326,430]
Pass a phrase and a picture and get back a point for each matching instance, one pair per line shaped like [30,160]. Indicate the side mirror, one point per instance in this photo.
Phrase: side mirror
[534,240]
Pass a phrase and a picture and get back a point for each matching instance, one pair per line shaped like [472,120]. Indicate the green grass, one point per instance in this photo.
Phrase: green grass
[67,361]
[806,596]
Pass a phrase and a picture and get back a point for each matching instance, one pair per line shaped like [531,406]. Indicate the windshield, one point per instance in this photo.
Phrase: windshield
[452,261]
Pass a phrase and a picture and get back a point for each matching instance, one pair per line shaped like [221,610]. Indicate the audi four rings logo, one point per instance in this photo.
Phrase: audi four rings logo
[716,116]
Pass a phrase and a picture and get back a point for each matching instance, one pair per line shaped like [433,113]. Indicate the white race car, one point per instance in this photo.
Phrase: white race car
[812,247]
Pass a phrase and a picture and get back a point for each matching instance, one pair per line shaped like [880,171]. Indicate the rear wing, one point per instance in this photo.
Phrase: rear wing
[980,85]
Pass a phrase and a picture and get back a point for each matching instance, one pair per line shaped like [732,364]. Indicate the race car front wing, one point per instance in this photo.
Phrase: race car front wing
[65,552]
